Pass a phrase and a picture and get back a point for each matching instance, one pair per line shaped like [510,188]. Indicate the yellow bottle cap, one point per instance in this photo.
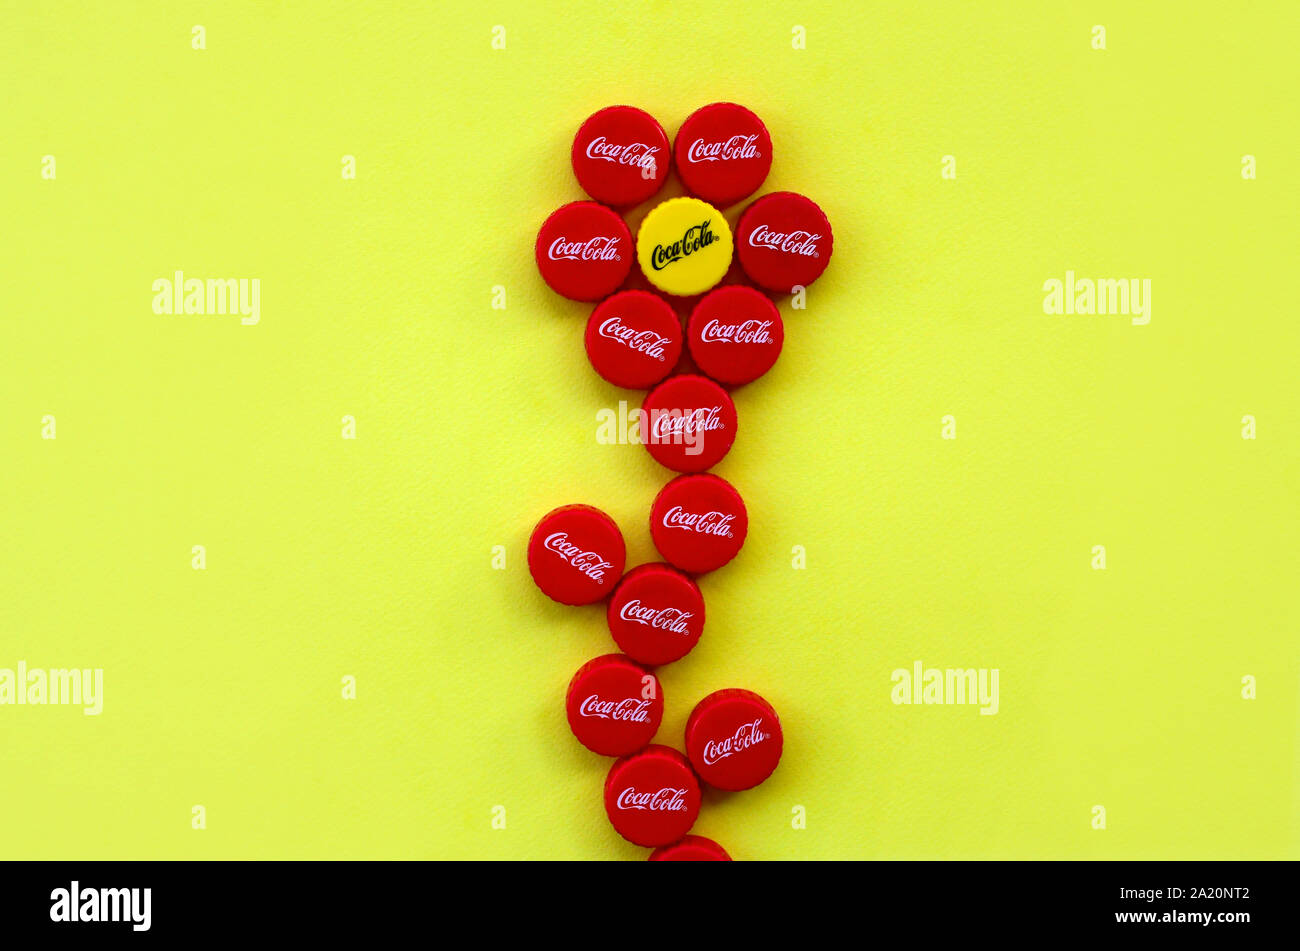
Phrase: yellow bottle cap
[684,246]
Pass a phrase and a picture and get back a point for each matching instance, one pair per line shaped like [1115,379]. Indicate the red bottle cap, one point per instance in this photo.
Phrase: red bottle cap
[733,738]
[783,240]
[634,339]
[723,153]
[584,251]
[614,706]
[656,614]
[652,797]
[693,848]
[735,334]
[698,522]
[620,156]
[688,423]
[576,554]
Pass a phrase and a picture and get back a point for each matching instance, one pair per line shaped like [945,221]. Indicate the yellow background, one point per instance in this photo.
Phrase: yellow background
[373,557]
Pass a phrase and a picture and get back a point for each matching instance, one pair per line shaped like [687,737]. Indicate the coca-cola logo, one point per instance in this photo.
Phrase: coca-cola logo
[724,150]
[791,242]
[635,154]
[695,238]
[669,424]
[705,523]
[748,734]
[638,341]
[667,799]
[590,563]
[749,331]
[672,620]
[599,248]
[624,710]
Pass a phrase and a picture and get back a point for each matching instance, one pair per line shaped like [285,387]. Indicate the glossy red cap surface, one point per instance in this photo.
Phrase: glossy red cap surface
[652,797]
[576,554]
[656,614]
[723,153]
[733,739]
[620,156]
[693,848]
[584,251]
[783,241]
[698,522]
[688,423]
[735,334]
[614,705]
[634,339]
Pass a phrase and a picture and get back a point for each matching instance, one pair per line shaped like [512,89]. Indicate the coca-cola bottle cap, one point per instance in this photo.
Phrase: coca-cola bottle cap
[723,153]
[733,738]
[614,705]
[692,848]
[634,339]
[652,797]
[656,614]
[698,522]
[684,246]
[620,156]
[783,241]
[735,334]
[576,554]
[688,423]
[584,251]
